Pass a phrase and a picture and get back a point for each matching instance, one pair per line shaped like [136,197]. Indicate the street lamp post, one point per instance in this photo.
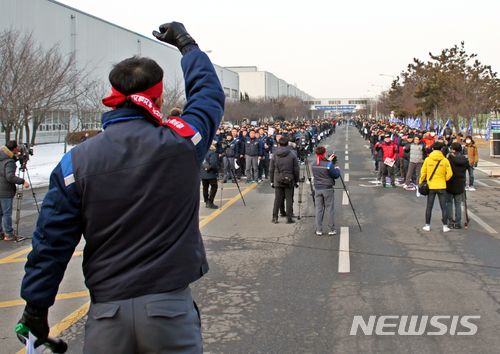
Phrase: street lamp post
[376,103]
[376,111]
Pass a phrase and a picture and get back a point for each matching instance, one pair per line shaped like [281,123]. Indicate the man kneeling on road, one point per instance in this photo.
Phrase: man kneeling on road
[325,173]
[133,192]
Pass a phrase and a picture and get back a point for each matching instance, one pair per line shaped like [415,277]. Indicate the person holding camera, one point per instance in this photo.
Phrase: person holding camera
[325,173]
[283,175]
[209,171]
[8,181]
[133,191]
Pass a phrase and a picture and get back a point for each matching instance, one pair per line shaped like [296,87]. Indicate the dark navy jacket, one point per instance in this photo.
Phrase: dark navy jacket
[253,147]
[133,192]
[233,148]
[324,174]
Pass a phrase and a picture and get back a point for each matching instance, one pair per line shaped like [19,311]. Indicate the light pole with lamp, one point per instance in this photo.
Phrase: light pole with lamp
[371,102]
[376,103]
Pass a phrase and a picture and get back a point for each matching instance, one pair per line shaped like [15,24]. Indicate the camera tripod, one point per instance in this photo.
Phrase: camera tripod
[19,197]
[233,177]
[302,180]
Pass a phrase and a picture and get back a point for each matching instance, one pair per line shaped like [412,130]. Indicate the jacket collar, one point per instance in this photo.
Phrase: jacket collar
[122,114]
[7,151]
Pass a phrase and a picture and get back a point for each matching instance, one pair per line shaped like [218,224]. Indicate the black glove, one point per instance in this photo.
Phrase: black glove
[272,185]
[475,164]
[296,185]
[175,34]
[39,326]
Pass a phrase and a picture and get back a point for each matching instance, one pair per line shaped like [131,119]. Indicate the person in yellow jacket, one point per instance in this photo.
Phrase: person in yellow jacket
[437,186]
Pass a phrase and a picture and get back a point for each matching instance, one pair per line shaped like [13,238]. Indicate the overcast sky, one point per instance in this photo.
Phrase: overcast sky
[328,48]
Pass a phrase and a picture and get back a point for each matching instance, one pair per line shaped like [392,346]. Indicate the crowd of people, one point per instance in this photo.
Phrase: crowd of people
[244,153]
[443,159]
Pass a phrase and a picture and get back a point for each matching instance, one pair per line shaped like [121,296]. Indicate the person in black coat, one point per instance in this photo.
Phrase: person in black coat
[284,162]
[209,171]
[8,181]
[456,185]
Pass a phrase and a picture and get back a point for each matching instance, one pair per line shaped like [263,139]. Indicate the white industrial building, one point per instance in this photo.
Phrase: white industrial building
[81,33]
[338,106]
[263,84]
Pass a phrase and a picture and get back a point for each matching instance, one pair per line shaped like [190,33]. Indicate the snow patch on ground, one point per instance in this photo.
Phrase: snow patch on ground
[45,158]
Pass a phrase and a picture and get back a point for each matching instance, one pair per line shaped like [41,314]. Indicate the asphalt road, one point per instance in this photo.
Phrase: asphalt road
[282,289]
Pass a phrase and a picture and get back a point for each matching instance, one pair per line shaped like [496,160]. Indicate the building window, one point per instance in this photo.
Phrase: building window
[227,91]
[235,94]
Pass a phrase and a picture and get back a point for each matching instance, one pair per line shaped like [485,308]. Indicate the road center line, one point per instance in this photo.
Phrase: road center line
[58,297]
[344,258]
[346,167]
[347,158]
[225,206]
[346,177]
[346,146]
[345,199]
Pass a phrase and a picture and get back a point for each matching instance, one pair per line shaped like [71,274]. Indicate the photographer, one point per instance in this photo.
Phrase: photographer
[8,181]
[284,174]
[133,192]
[230,151]
[325,173]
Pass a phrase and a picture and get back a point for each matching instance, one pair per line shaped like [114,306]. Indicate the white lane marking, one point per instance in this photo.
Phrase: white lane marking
[345,198]
[346,177]
[495,180]
[481,183]
[346,152]
[346,167]
[482,223]
[344,258]
[347,158]
[346,146]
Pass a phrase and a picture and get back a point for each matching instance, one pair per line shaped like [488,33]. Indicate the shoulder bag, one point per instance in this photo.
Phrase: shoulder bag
[423,188]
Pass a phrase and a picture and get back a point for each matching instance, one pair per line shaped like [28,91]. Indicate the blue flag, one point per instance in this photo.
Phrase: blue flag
[462,125]
[487,133]
[469,131]
[428,125]
[442,130]
[419,124]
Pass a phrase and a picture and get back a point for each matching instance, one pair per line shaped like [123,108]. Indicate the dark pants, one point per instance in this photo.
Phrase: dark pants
[386,170]
[6,216]
[441,193]
[454,200]
[470,169]
[282,205]
[158,323]
[209,197]
[281,193]
[264,166]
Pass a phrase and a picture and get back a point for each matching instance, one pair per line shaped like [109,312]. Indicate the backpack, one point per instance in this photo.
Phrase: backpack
[207,166]
[285,178]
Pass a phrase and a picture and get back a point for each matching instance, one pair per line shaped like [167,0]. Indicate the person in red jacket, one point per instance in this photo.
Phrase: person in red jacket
[390,150]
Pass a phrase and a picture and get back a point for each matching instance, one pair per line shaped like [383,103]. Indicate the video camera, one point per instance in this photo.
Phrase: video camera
[24,150]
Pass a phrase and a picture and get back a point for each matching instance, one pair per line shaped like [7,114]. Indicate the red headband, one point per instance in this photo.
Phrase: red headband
[319,158]
[143,99]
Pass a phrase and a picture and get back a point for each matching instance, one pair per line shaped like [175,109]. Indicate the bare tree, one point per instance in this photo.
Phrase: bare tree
[35,81]
[173,94]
